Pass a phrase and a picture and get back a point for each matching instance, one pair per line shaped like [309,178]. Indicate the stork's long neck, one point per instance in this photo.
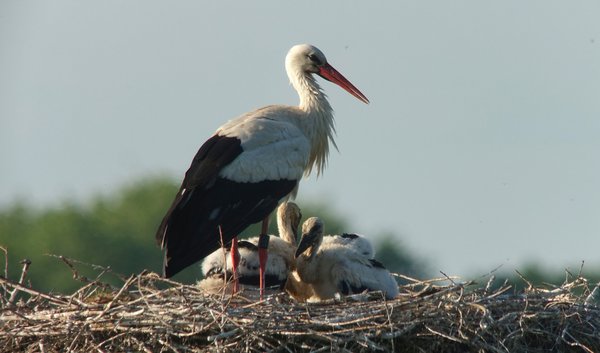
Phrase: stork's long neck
[308,266]
[285,228]
[318,121]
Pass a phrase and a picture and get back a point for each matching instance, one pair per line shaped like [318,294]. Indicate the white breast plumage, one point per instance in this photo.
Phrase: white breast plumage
[277,150]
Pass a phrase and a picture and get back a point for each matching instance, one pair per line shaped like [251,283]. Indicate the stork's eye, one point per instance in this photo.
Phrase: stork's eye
[315,59]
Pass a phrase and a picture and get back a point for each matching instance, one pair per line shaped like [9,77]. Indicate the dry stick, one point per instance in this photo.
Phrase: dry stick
[418,282]
[13,295]
[529,285]
[25,318]
[575,343]
[80,292]
[74,341]
[223,335]
[594,297]
[451,338]
[505,287]
[389,318]
[40,294]
[72,267]
[141,344]
[448,278]
[166,344]
[158,317]
[99,345]
[488,285]
[70,263]
[3,287]
[224,269]
[5,261]
[110,304]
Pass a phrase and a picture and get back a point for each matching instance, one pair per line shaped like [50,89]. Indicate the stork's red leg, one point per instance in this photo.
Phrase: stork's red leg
[263,255]
[235,261]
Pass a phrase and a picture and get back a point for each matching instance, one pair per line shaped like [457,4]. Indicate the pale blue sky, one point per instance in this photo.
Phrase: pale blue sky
[480,146]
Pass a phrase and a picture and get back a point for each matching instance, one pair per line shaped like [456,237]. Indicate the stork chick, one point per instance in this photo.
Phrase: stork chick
[331,270]
[280,260]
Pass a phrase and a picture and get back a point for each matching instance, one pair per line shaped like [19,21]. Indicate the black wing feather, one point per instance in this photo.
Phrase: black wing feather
[190,229]
[213,155]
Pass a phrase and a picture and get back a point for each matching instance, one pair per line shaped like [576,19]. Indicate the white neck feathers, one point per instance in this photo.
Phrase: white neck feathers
[319,124]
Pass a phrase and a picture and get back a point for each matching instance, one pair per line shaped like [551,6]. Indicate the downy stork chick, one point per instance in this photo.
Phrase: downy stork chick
[353,241]
[280,260]
[332,270]
[302,291]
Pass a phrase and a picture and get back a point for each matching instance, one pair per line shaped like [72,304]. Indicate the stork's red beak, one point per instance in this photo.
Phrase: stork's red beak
[330,74]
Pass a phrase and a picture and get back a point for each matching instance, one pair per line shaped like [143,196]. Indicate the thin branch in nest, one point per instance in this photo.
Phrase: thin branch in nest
[489,283]
[530,286]
[223,335]
[41,345]
[141,344]
[109,305]
[110,339]
[573,342]
[580,274]
[5,251]
[593,299]
[451,338]
[76,276]
[34,292]
[4,295]
[447,277]
[26,263]
[418,282]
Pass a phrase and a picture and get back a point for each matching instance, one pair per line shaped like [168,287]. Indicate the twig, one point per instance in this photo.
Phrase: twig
[593,299]
[455,339]
[529,285]
[5,251]
[99,345]
[223,335]
[448,278]
[26,263]
[48,297]
[574,342]
[489,283]
[123,289]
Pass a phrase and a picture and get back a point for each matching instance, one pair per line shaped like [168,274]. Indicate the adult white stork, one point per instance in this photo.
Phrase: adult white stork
[280,260]
[250,164]
[327,270]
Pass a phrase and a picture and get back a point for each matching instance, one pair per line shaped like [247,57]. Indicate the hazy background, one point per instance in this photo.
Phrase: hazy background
[480,146]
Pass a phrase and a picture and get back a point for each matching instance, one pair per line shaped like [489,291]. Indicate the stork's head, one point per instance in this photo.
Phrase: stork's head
[305,59]
[312,236]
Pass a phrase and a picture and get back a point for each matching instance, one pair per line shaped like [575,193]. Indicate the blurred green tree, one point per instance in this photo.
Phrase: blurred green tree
[398,259]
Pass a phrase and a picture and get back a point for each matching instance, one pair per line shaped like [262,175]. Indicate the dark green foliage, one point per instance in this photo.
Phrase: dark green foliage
[398,259]
[115,230]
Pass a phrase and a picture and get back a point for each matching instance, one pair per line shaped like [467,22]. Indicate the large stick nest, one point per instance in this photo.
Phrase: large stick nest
[151,314]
